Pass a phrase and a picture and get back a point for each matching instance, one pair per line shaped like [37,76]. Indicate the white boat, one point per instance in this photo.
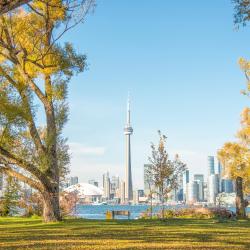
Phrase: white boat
[99,203]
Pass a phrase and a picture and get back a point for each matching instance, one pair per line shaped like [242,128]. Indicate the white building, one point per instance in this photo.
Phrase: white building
[192,192]
[213,188]
[106,186]
[86,192]
[122,192]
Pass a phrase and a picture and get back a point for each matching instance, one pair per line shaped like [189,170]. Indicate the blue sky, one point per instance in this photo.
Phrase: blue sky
[178,59]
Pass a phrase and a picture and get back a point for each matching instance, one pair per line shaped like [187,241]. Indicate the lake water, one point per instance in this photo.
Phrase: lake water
[99,211]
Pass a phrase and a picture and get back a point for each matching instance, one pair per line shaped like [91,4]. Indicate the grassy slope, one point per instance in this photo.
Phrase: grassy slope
[18,233]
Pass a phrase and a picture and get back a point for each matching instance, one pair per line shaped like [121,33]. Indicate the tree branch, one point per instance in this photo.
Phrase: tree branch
[32,183]
[30,121]
[9,157]
[13,53]
[8,5]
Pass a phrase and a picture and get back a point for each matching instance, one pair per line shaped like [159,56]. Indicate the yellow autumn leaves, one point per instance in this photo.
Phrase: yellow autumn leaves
[28,34]
[235,156]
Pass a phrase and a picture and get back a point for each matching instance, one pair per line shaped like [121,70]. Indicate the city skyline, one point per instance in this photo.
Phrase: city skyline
[212,161]
[210,190]
[169,76]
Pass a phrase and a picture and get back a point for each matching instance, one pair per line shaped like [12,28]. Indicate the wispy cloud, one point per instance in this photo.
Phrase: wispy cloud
[78,149]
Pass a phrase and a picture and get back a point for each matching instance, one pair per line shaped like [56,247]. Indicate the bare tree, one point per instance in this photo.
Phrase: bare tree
[164,172]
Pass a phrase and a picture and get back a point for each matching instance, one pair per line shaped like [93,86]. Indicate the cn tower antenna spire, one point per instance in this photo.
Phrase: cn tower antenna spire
[128,110]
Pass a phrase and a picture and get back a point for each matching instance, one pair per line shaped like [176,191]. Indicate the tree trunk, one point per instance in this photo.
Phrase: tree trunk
[151,207]
[163,210]
[162,204]
[240,202]
[51,207]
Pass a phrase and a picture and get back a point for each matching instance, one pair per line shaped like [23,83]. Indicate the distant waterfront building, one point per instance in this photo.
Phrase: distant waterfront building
[220,169]
[137,195]
[86,192]
[122,192]
[227,186]
[185,185]
[199,178]
[176,195]
[106,186]
[217,183]
[93,182]
[73,180]
[220,172]
[213,181]
[114,187]
[140,193]
[192,192]
[128,131]
[213,188]
[205,189]
[103,180]
[211,165]
[115,180]
[179,191]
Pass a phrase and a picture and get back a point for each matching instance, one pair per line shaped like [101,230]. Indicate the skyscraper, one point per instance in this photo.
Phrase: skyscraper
[106,186]
[227,186]
[114,187]
[128,131]
[211,165]
[213,181]
[199,178]
[185,185]
[220,168]
[73,180]
[192,192]
[122,192]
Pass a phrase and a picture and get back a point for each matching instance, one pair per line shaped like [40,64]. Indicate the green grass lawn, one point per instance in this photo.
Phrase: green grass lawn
[20,233]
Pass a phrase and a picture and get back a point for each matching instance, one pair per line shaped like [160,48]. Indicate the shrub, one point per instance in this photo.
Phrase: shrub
[33,206]
[193,212]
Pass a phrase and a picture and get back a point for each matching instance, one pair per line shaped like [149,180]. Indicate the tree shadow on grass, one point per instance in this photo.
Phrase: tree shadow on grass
[166,232]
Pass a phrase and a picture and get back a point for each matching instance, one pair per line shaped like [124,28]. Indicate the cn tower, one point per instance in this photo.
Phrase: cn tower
[128,131]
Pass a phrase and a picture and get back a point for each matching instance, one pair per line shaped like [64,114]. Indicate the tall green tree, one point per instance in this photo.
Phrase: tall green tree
[9,201]
[35,71]
[163,171]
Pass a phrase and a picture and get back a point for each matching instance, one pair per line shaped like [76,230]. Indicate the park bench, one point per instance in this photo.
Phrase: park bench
[110,215]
